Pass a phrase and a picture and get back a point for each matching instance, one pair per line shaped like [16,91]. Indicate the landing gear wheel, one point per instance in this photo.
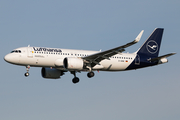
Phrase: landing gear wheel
[27,69]
[90,74]
[75,80]
[26,74]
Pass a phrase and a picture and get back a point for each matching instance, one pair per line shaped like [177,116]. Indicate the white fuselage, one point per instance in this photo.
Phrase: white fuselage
[53,57]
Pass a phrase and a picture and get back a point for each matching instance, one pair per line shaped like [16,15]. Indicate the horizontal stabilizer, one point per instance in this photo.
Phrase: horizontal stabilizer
[164,56]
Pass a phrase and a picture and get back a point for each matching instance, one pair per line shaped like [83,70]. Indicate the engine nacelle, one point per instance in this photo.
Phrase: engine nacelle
[73,63]
[58,62]
[51,73]
[163,60]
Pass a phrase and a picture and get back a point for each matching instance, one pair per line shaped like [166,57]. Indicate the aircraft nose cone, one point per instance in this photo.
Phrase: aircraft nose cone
[10,58]
[7,58]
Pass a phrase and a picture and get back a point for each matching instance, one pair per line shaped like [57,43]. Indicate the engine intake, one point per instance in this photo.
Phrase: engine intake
[73,63]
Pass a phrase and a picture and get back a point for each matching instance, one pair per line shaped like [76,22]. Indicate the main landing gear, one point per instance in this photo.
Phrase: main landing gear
[90,74]
[76,79]
[27,69]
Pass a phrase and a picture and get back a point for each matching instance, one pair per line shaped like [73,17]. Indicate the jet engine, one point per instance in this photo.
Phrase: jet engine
[51,73]
[163,60]
[73,63]
[59,63]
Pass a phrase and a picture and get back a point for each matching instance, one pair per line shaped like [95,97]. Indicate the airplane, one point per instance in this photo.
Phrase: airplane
[56,61]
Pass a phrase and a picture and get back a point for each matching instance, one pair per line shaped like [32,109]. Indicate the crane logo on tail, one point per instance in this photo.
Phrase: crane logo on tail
[152,47]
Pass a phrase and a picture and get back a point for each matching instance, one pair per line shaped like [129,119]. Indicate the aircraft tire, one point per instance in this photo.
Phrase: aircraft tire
[90,74]
[26,74]
[75,80]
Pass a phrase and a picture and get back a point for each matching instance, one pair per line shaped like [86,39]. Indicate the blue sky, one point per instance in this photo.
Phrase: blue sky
[149,93]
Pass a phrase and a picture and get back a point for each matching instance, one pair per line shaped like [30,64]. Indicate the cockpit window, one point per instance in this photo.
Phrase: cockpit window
[16,51]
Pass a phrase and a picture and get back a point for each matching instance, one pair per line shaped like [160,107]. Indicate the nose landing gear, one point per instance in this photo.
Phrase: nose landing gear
[26,74]
[27,69]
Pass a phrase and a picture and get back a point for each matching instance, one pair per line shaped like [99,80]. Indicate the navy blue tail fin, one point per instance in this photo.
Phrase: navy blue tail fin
[152,45]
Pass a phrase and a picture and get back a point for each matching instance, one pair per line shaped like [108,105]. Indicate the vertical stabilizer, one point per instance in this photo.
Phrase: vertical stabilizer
[152,45]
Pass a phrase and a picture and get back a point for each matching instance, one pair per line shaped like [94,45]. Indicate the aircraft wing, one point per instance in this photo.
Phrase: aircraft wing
[98,57]
[158,58]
